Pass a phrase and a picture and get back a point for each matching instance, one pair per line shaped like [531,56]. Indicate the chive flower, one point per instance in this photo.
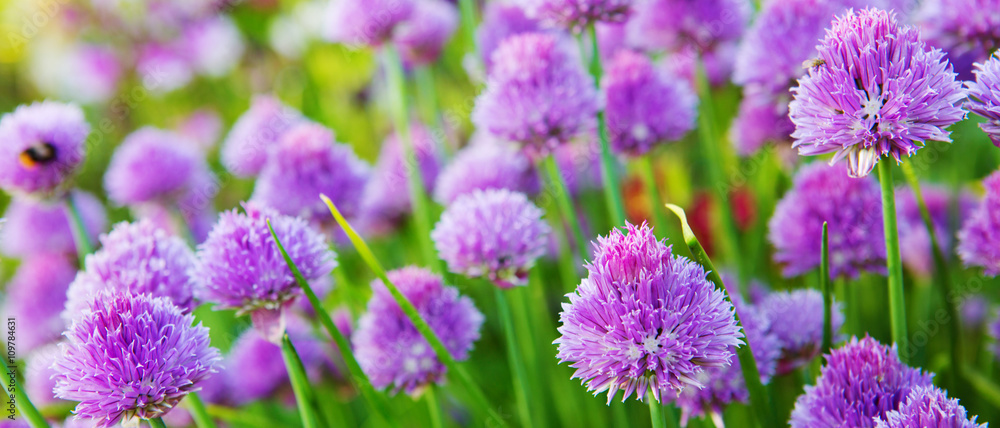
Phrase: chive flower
[153,165]
[576,15]
[501,21]
[359,23]
[41,144]
[40,226]
[483,165]
[928,407]
[967,31]
[979,238]
[35,297]
[423,35]
[984,96]
[796,320]
[245,149]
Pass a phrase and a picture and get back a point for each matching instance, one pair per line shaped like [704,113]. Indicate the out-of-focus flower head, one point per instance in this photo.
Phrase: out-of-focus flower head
[37,226]
[495,233]
[245,149]
[153,165]
[202,127]
[41,144]
[984,96]
[852,208]
[291,33]
[762,118]
[579,165]
[39,375]
[967,30]
[482,165]
[422,36]
[132,356]
[914,241]
[645,106]
[979,238]
[974,309]
[213,46]
[163,66]
[35,297]
[576,15]
[80,72]
[537,94]
[643,320]
[862,380]
[386,197]
[681,25]
[390,349]
[500,21]
[135,258]
[876,90]
[358,23]
[928,407]
[796,319]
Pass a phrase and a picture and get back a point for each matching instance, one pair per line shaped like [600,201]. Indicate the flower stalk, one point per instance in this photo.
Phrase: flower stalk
[824,280]
[565,203]
[612,187]
[897,303]
[304,396]
[79,228]
[514,359]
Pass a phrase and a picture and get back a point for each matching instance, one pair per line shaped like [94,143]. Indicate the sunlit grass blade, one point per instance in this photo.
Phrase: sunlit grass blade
[759,399]
[897,303]
[824,280]
[433,407]
[358,376]
[514,358]
[304,396]
[411,313]
[79,229]
[612,188]
[198,412]
[157,423]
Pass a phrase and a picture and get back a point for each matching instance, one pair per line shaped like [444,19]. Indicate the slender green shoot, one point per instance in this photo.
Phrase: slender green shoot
[157,423]
[565,203]
[612,187]
[824,280]
[515,359]
[897,303]
[79,228]
[433,407]
[304,396]
[198,412]
[358,376]
[468,11]
[759,399]
[656,418]
[411,313]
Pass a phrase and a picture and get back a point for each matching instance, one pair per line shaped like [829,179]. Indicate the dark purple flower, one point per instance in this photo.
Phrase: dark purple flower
[422,36]
[495,234]
[132,356]
[967,30]
[500,21]
[645,106]
[876,90]
[796,319]
[576,15]
[37,226]
[138,258]
[36,296]
[391,350]
[928,407]
[984,96]
[359,23]
[482,165]
[386,197]
[40,146]
[851,206]
[153,165]
[979,238]
[643,320]
[537,94]
[244,151]
[308,162]
[861,381]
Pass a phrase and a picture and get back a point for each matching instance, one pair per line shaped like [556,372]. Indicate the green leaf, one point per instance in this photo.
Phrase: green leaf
[304,396]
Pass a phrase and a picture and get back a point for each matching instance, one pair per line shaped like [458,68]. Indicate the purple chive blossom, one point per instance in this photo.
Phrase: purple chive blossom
[967,30]
[244,151]
[137,258]
[979,238]
[876,90]
[163,67]
[928,407]
[390,349]
[644,320]
[645,106]
[725,385]
[851,206]
[308,162]
[914,241]
[796,319]
[38,373]
[495,234]
[240,267]
[40,146]
[762,118]
[214,46]
[680,25]
[153,165]
[501,21]
[576,15]
[422,36]
[984,96]
[861,381]
[358,23]
[34,226]
[580,165]
[485,165]
[132,356]
[202,127]
[537,94]
[386,196]
[35,297]
[252,353]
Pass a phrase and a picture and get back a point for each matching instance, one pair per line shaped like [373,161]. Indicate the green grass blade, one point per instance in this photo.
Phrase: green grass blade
[79,229]
[515,359]
[157,423]
[411,312]
[759,399]
[304,396]
[897,302]
[565,203]
[824,280]
[198,412]
[358,376]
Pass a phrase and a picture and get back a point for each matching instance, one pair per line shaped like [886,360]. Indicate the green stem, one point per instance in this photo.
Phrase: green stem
[565,203]
[468,11]
[727,240]
[198,412]
[759,399]
[79,228]
[942,275]
[612,187]
[656,201]
[656,417]
[157,423]
[514,358]
[401,120]
[304,396]
[27,409]
[824,280]
[411,313]
[897,304]
[358,376]
[433,407]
